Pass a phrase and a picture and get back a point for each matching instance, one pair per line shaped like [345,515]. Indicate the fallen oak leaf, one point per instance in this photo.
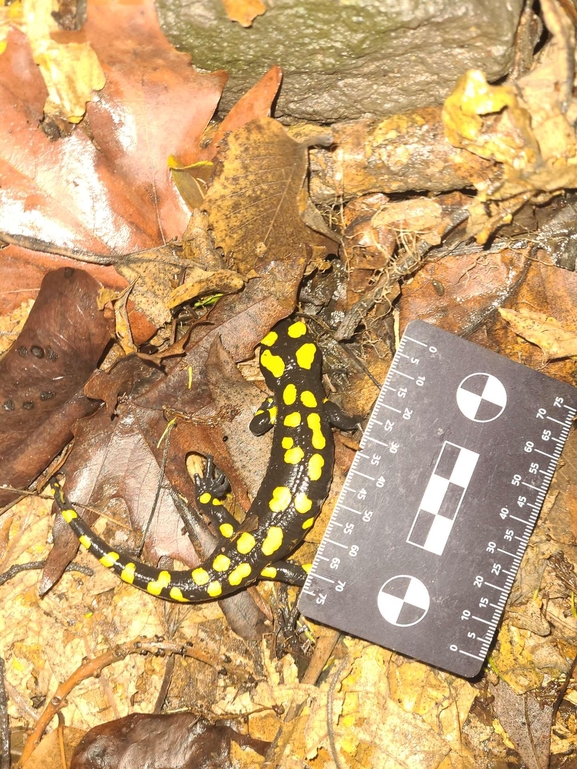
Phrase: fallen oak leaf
[542,330]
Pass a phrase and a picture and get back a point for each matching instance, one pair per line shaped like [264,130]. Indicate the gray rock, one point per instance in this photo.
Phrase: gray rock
[347,59]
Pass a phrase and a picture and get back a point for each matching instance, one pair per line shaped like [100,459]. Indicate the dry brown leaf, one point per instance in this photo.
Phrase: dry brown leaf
[244,11]
[546,332]
[253,202]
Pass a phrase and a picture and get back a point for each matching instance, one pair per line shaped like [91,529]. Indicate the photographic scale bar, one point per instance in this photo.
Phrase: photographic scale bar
[422,550]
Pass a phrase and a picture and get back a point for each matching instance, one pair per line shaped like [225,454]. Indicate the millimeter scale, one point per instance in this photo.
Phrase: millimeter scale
[438,506]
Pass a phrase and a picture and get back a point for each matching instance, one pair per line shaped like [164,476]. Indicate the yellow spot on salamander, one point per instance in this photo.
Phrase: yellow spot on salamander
[297,329]
[214,589]
[269,572]
[293,419]
[289,395]
[307,567]
[281,498]
[245,543]
[205,498]
[176,595]
[273,363]
[294,456]
[273,540]
[308,399]
[316,464]
[302,503]
[241,572]
[226,530]
[157,585]
[269,339]
[217,502]
[85,541]
[305,355]
[221,562]
[109,559]
[308,523]
[318,440]
[199,576]
[127,574]
[287,442]
[69,514]
[272,414]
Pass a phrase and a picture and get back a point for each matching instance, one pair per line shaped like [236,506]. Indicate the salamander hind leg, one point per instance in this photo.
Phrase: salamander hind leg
[285,571]
[211,488]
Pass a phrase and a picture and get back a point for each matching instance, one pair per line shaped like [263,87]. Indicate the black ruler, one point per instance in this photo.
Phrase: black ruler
[437,509]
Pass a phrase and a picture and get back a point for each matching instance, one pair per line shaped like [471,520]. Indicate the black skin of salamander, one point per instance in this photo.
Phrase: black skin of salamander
[276,532]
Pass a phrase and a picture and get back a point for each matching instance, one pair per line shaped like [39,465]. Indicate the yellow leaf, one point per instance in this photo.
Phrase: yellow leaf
[244,11]
[71,71]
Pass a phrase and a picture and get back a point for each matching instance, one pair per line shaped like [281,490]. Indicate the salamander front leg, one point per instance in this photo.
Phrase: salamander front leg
[264,417]
[337,417]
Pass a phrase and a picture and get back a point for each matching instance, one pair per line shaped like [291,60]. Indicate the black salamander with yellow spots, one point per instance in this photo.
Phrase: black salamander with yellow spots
[290,497]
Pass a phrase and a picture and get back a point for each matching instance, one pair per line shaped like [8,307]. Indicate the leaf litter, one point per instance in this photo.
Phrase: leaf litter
[350,703]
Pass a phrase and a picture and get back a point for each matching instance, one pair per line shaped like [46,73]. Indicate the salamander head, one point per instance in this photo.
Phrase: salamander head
[289,349]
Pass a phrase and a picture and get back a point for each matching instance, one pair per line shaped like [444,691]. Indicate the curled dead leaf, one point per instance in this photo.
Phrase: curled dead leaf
[201,282]
[546,332]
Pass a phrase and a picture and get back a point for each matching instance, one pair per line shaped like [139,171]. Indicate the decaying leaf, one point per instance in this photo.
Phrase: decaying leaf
[542,330]
[527,721]
[58,744]
[253,200]
[42,375]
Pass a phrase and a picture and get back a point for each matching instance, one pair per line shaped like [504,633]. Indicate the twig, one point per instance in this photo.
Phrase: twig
[165,686]
[35,244]
[4,725]
[93,668]
[330,710]
[32,565]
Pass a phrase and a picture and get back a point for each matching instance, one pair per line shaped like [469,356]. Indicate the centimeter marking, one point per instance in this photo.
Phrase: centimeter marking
[400,384]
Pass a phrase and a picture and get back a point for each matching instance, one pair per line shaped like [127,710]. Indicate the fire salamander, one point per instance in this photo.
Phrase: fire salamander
[290,497]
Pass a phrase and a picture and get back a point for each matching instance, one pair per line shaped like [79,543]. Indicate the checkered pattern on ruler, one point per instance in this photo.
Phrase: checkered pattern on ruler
[442,498]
